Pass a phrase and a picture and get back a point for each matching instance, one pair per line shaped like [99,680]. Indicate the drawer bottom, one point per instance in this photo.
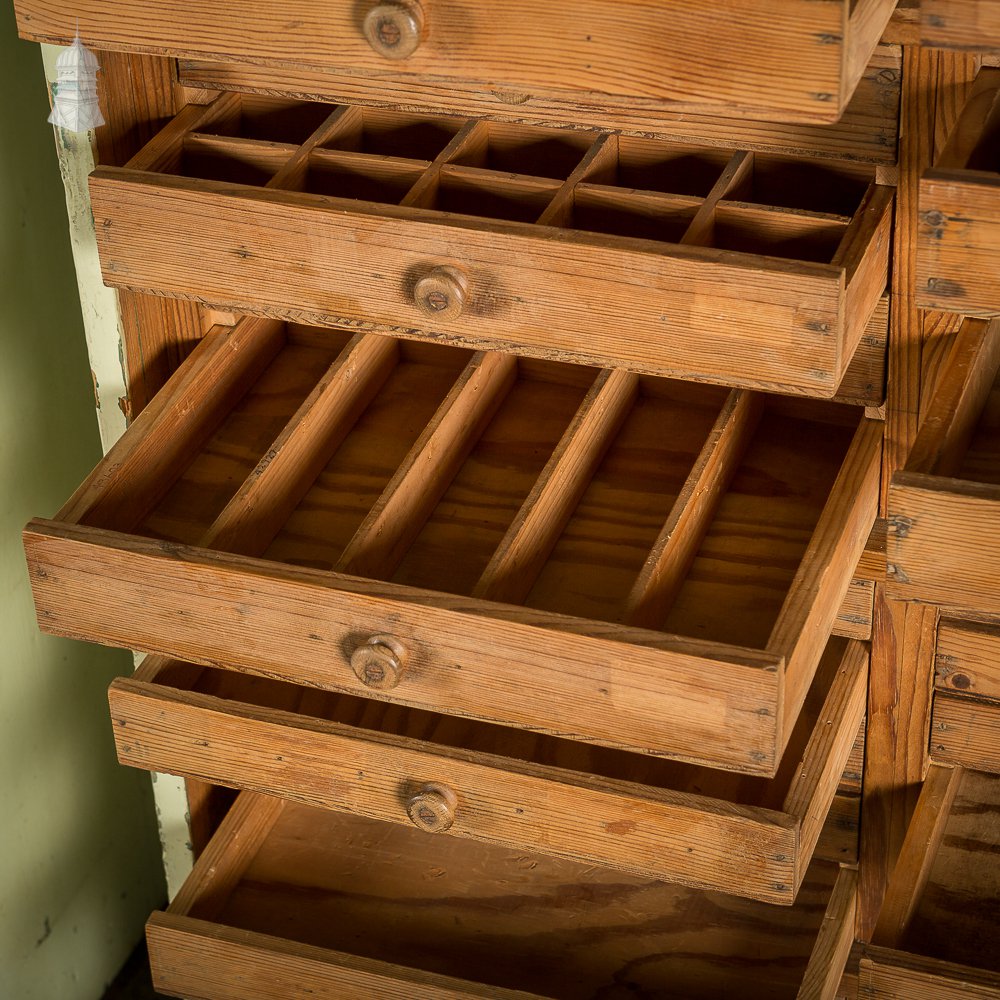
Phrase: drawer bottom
[289,900]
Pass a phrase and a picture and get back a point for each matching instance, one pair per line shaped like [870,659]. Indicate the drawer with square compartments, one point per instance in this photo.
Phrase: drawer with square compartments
[749,269]
[943,544]
[750,836]
[293,901]
[937,931]
[788,60]
[635,562]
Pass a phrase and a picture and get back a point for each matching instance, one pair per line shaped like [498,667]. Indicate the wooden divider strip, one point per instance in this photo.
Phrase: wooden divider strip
[602,155]
[536,528]
[143,465]
[834,941]
[472,133]
[668,562]
[290,176]
[428,469]
[308,441]
[913,867]
[702,226]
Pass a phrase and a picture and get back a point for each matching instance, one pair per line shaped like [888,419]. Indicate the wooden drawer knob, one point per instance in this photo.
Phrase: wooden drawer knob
[433,808]
[380,662]
[394,29]
[441,293]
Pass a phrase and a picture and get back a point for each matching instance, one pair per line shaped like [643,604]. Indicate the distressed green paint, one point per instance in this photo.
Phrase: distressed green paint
[79,858]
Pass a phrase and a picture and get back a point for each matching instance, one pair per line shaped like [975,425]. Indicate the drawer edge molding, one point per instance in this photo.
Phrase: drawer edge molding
[219,609]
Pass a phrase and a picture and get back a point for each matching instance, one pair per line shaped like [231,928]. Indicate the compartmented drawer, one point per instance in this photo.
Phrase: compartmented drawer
[630,561]
[958,236]
[965,720]
[937,933]
[793,60]
[289,900]
[754,837]
[943,543]
[750,269]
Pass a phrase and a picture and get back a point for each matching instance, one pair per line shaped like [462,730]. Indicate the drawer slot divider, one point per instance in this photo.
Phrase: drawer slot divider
[699,232]
[670,559]
[143,465]
[427,471]
[601,157]
[291,175]
[270,494]
[473,134]
[514,567]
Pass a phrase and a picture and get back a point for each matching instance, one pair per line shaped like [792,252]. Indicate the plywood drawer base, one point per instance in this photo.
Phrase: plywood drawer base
[291,900]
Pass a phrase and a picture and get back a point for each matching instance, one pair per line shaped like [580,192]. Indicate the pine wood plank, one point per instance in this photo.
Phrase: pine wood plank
[798,61]
[888,974]
[125,591]
[536,528]
[973,25]
[833,945]
[966,732]
[430,466]
[967,659]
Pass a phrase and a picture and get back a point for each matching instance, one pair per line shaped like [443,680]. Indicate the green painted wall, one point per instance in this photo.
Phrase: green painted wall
[79,855]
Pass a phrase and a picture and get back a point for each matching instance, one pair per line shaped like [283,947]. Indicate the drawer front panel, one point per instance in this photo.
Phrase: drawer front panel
[693,262]
[758,846]
[564,929]
[970,25]
[799,60]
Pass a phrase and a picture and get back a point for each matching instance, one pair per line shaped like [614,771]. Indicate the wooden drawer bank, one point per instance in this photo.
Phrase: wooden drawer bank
[753,837]
[292,901]
[791,60]
[937,933]
[520,542]
[743,268]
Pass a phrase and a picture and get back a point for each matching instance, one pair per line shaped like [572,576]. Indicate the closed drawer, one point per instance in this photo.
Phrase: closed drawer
[970,25]
[709,829]
[292,901]
[965,720]
[943,543]
[743,268]
[798,60]
[634,562]
[958,235]
[936,933]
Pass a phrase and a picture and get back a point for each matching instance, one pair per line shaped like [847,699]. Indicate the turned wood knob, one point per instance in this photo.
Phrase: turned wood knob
[380,662]
[432,809]
[440,294]
[394,29]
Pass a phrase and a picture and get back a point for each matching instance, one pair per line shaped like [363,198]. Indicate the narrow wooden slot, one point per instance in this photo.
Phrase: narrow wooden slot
[489,194]
[291,176]
[701,231]
[396,133]
[465,528]
[604,543]
[270,119]
[787,233]
[345,491]
[429,468]
[142,467]
[215,472]
[521,149]
[236,161]
[669,562]
[537,526]
[601,157]
[981,460]
[974,143]
[359,176]
[472,135]
[641,215]
[673,168]
[290,466]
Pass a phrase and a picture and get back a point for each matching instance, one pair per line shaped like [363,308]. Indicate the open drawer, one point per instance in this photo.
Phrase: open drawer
[965,719]
[293,901]
[937,932]
[749,269]
[753,837]
[943,544]
[958,236]
[790,60]
[635,562]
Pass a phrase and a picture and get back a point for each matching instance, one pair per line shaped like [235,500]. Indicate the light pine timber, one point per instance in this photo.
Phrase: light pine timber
[867,131]
[772,322]
[796,61]
[892,975]
[973,25]
[519,666]
[377,871]
[833,945]
[967,659]
[966,732]
[695,839]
